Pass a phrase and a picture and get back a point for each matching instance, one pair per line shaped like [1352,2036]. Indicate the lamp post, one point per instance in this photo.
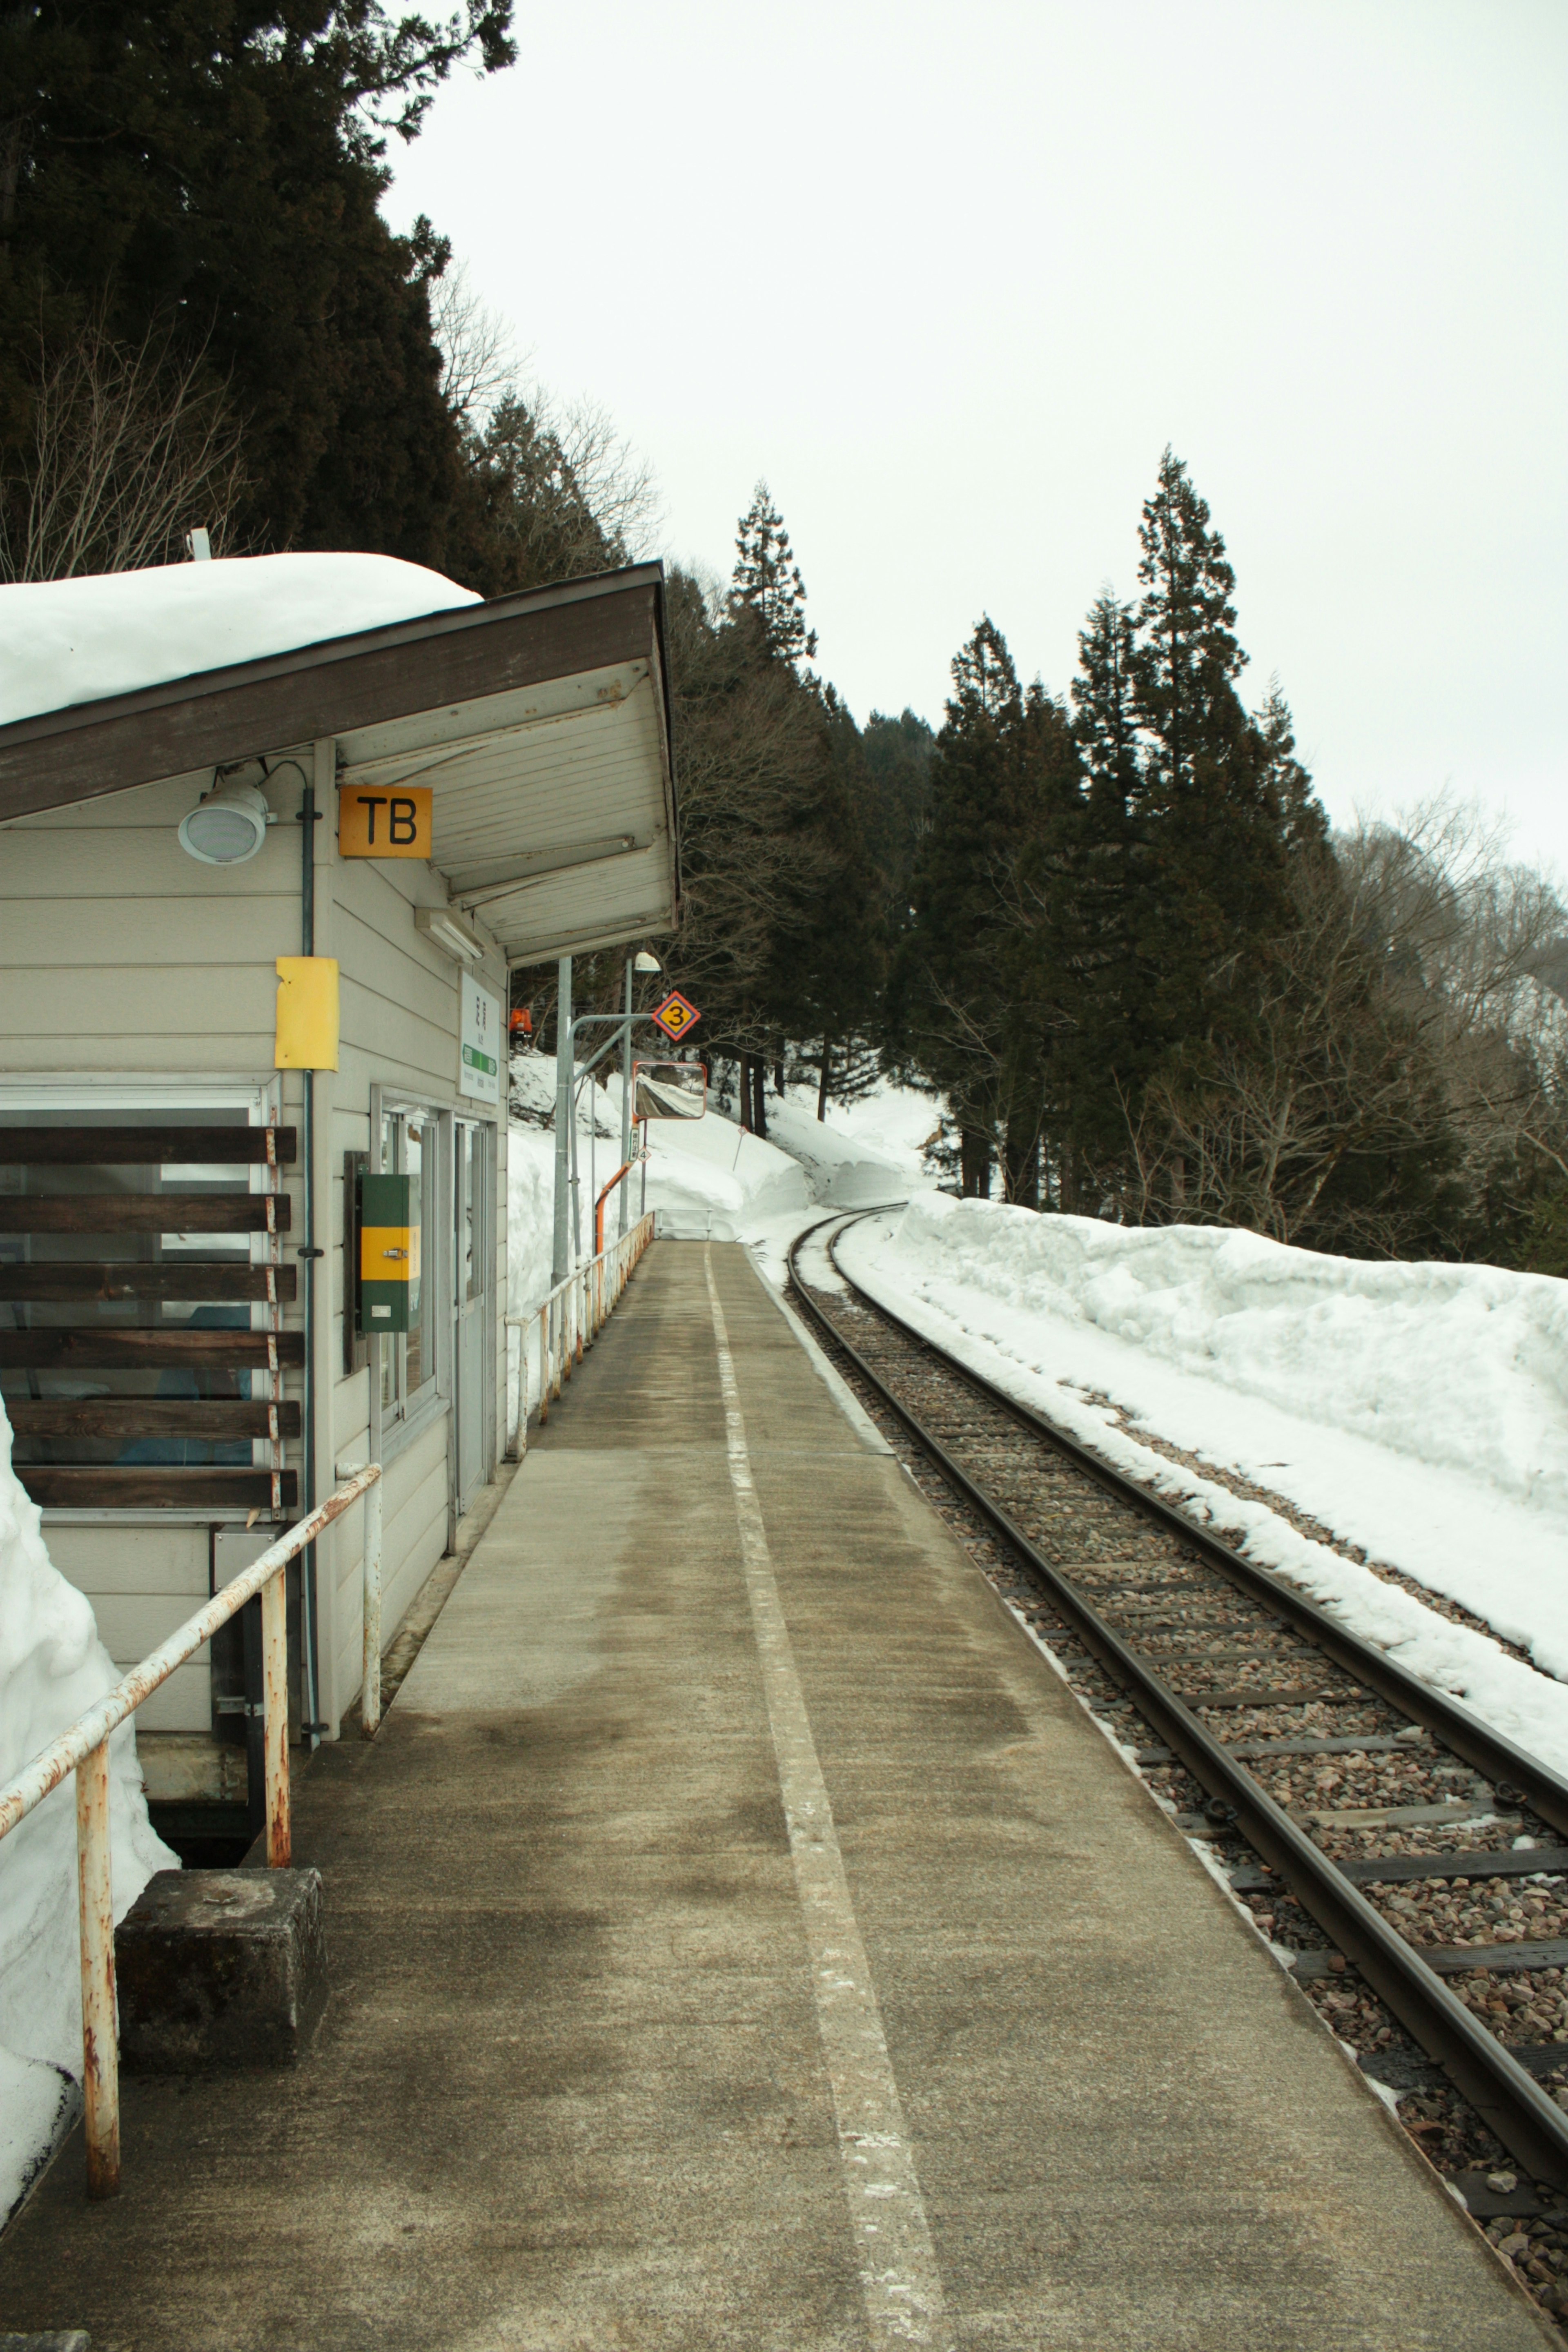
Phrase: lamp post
[642,962]
[565,1037]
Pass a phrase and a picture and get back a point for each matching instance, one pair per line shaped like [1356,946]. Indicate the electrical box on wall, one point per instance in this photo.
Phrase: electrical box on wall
[388,1252]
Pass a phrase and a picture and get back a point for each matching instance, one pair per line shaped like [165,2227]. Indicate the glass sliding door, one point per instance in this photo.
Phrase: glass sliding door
[472,1294]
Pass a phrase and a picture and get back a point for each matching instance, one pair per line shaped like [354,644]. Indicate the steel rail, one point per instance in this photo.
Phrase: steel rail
[1528,2124]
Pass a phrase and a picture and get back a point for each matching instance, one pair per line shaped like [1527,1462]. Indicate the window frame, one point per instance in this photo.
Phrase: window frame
[399,1422]
[130,1092]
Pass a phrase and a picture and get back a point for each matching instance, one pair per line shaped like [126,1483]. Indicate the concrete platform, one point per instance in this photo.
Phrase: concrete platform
[740,1937]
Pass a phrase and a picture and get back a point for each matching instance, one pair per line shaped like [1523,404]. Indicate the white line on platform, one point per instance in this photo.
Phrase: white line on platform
[898,2273]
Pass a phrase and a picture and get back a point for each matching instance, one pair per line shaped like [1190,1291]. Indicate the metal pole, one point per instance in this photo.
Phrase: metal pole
[369,1685]
[576,1246]
[275,1724]
[563,1117]
[100,2025]
[626,1095]
[308,1674]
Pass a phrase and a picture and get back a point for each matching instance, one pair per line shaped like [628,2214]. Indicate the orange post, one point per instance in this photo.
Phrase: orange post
[624,1169]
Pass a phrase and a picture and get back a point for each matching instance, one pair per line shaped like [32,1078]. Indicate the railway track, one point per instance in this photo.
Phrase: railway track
[1300,1748]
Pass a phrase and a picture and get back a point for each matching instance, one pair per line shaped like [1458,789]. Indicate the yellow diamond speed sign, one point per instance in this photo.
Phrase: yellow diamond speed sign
[676,1016]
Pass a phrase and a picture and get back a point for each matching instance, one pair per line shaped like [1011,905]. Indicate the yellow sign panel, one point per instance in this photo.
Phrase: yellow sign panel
[677,1015]
[389,1253]
[307,1013]
[383,820]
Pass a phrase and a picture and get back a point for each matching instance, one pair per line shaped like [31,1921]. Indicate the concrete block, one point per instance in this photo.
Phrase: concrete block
[220,1968]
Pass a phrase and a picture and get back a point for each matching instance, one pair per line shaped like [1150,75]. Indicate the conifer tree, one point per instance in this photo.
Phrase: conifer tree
[898,759]
[969,1005]
[767,581]
[782,932]
[214,173]
[1217,837]
[1285,781]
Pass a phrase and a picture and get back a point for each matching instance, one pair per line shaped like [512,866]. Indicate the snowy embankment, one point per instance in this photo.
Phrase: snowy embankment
[860,1157]
[52,1667]
[708,1179]
[1417,1412]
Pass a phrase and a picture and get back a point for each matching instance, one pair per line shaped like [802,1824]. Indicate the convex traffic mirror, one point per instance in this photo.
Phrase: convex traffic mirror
[669,1090]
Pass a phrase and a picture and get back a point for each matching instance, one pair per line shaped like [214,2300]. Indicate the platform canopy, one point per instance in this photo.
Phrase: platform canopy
[539,722]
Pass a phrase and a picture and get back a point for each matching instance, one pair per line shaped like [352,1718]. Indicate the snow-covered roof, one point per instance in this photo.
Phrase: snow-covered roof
[539,720]
[63,641]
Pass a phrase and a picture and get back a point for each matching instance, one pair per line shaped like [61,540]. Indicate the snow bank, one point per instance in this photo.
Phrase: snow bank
[52,1666]
[1416,1411]
[70,641]
[707,1178]
[1464,1367]
[896,1123]
[712,1182]
[848,1167]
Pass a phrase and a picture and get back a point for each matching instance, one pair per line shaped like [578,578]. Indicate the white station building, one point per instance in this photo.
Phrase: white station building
[272,832]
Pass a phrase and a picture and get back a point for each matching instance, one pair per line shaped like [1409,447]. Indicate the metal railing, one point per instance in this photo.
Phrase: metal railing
[569,1319]
[84,1750]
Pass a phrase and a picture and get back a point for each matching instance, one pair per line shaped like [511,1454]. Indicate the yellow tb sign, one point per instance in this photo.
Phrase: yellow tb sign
[383,820]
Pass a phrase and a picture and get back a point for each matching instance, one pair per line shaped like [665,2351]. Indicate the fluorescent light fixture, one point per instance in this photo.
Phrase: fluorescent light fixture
[646,962]
[226,827]
[449,933]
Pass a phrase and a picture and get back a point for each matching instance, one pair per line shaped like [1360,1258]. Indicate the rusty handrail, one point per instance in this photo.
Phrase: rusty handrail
[83,1749]
[570,1317]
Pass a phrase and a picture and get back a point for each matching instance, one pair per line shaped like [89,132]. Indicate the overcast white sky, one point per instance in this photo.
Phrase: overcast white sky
[951,275]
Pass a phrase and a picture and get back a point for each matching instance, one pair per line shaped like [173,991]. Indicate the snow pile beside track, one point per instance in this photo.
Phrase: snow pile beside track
[712,1182]
[1464,1367]
[707,1180]
[52,1667]
[1417,1412]
[860,1156]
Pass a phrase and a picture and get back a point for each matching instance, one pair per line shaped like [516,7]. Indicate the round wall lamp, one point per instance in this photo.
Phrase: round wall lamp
[227,825]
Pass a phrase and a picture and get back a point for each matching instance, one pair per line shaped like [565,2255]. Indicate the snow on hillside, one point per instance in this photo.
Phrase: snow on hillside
[52,1667]
[860,1156]
[1417,1412]
[71,641]
[708,1179]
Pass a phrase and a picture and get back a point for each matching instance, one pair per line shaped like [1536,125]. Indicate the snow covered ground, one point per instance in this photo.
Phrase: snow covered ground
[70,641]
[52,1666]
[1420,1412]
[863,1154]
[709,1179]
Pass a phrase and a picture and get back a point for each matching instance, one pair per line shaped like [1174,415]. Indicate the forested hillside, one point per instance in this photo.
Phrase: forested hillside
[1105,925]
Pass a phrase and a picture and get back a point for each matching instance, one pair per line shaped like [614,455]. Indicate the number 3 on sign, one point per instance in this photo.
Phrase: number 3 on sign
[383,820]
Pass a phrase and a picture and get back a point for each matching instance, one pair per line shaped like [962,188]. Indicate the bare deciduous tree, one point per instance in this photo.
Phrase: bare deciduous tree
[477,346]
[576,492]
[1398,1026]
[129,447]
